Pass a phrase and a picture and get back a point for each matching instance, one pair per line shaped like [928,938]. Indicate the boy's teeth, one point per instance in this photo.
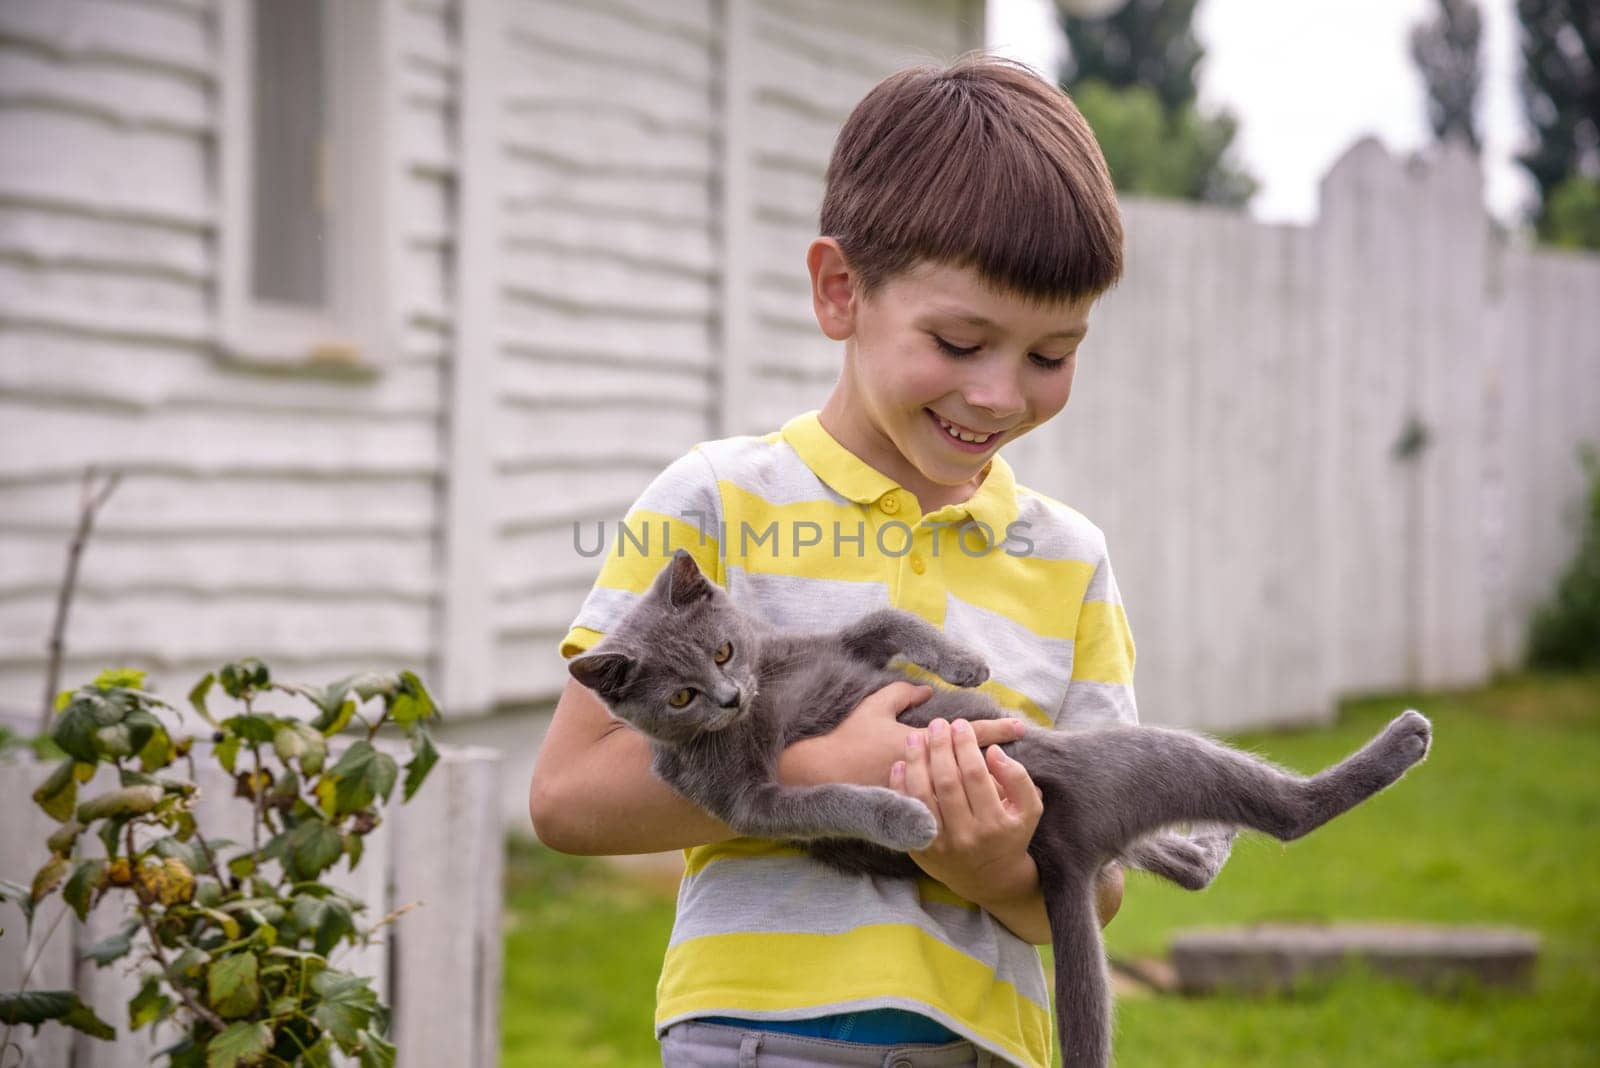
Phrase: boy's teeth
[976,439]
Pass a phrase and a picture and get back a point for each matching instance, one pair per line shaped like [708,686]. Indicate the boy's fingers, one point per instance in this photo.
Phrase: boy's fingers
[946,774]
[896,697]
[1015,781]
[982,795]
[998,731]
[915,779]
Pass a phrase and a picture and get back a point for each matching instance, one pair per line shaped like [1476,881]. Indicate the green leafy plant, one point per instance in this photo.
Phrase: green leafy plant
[1566,630]
[234,939]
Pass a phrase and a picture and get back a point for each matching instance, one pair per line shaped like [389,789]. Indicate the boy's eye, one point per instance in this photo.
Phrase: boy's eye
[953,350]
[681,698]
[1048,363]
[724,652]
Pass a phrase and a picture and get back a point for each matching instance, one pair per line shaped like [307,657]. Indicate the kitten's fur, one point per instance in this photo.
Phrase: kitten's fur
[1108,792]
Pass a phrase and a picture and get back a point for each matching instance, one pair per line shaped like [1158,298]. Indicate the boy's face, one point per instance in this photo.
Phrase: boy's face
[941,372]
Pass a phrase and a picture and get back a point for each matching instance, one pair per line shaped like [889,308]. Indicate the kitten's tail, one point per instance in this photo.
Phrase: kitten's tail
[1083,987]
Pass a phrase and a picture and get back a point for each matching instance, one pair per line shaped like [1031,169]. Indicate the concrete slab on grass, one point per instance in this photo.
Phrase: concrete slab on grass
[1275,957]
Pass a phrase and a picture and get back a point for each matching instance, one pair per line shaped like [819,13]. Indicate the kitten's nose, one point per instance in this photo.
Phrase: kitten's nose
[729,700]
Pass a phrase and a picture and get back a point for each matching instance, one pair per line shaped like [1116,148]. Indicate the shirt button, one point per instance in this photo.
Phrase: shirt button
[890,504]
[917,565]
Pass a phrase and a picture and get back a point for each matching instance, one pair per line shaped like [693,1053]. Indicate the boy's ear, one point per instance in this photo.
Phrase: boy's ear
[833,288]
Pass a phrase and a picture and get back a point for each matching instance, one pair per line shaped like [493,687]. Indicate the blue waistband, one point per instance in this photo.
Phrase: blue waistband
[874,1027]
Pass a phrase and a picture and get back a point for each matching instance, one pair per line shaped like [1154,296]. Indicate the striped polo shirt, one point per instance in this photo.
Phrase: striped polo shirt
[805,534]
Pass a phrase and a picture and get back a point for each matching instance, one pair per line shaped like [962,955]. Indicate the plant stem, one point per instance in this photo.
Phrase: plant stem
[161,958]
[89,505]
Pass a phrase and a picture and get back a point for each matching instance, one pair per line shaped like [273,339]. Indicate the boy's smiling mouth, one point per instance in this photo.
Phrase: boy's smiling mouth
[962,437]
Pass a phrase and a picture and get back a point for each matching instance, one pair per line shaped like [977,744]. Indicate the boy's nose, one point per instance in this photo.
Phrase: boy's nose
[1000,398]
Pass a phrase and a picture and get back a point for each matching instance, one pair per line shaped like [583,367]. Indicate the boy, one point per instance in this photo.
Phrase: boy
[967,228]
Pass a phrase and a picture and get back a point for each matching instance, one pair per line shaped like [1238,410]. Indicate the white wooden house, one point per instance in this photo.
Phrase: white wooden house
[372,302]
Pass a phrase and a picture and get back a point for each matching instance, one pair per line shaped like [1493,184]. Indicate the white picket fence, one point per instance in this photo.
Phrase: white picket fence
[438,967]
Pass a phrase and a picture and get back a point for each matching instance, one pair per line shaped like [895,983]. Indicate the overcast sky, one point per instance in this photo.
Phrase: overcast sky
[1308,78]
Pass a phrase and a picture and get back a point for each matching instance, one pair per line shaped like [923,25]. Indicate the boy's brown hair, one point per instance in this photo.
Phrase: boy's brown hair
[980,164]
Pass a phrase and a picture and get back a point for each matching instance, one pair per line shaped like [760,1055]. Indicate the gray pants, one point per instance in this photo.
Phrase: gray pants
[701,1045]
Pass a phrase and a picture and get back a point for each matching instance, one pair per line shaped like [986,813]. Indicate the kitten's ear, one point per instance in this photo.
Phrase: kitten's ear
[685,582]
[604,673]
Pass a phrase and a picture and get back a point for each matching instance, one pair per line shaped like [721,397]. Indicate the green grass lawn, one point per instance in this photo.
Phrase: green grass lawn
[1500,826]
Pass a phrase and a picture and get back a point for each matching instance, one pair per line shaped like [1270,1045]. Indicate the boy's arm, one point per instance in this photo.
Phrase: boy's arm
[593,792]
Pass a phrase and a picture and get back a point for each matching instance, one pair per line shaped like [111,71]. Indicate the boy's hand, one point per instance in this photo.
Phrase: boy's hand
[871,740]
[987,808]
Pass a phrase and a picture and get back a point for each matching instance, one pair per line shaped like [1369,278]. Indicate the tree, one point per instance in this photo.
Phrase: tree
[1447,50]
[1145,43]
[1132,74]
[1561,97]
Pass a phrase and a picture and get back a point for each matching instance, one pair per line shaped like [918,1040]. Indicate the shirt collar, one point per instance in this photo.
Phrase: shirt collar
[994,504]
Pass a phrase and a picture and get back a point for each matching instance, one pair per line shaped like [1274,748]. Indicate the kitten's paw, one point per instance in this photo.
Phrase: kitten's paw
[962,668]
[905,824]
[1409,735]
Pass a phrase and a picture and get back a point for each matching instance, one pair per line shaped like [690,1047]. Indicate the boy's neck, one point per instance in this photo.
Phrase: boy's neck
[852,430]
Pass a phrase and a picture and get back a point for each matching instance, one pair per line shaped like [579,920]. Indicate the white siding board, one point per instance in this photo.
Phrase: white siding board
[46,238]
[165,38]
[35,439]
[165,505]
[683,244]
[206,564]
[608,36]
[594,430]
[556,498]
[548,381]
[137,172]
[166,627]
[110,93]
[98,372]
[543,327]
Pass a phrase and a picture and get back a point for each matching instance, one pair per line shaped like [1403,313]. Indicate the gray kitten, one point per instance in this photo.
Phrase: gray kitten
[720,694]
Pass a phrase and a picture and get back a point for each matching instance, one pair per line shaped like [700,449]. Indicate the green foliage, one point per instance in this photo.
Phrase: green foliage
[1566,631]
[1182,155]
[1572,214]
[1132,74]
[1447,50]
[1560,98]
[233,940]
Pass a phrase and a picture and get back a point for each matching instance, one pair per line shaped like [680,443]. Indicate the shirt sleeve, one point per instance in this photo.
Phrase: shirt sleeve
[680,509]
[1101,690]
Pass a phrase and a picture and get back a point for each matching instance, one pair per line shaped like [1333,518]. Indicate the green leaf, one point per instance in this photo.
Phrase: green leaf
[412,703]
[376,1051]
[227,751]
[348,1004]
[48,877]
[87,877]
[332,723]
[197,697]
[115,740]
[58,794]
[243,1042]
[189,962]
[149,1004]
[231,986]
[21,896]
[128,801]
[427,755]
[120,678]
[34,1007]
[65,837]
[310,849]
[251,727]
[113,946]
[74,732]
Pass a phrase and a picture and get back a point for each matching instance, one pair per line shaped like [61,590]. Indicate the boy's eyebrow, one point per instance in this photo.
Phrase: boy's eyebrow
[1076,333]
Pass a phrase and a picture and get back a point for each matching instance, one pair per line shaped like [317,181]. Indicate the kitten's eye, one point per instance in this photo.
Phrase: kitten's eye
[725,652]
[681,698]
